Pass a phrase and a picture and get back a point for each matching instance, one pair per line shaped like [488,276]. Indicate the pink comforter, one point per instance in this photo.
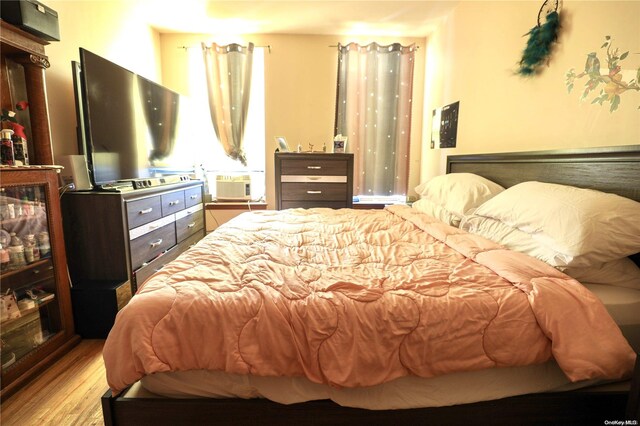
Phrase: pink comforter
[357,298]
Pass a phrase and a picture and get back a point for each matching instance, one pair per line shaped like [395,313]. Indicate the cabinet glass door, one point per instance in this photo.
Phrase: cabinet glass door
[29,311]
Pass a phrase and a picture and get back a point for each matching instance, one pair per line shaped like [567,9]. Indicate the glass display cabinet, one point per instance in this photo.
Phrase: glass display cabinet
[36,320]
[35,311]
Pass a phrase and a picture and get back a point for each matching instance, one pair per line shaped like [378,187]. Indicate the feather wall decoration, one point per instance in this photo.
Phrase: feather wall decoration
[541,40]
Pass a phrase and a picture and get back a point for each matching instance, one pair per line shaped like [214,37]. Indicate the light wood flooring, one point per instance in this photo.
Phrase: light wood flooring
[67,393]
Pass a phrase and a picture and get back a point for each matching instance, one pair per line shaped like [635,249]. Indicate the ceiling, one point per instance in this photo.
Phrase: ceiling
[382,18]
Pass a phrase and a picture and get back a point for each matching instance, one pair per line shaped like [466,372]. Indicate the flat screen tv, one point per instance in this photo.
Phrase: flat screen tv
[127,124]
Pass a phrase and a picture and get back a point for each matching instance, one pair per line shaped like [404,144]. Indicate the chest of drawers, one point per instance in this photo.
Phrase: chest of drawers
[115,237]
[313,180]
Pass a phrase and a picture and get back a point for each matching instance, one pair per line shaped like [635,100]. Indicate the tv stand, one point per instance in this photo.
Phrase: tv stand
[124,237]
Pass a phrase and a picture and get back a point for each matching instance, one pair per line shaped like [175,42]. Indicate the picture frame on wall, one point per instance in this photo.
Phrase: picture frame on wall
[282,144]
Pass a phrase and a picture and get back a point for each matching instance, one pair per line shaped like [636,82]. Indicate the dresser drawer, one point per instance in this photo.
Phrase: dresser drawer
[150,245]
[172,202]
[290,166]
[314,191]
[193,196]
[148,269]
[188,222]
[313,204]
[143,211]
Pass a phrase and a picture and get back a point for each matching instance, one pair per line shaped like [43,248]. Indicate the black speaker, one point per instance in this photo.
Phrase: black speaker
[95,305]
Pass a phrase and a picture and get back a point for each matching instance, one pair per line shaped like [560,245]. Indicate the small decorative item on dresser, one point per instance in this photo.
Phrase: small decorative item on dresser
[339,144]
[282,144]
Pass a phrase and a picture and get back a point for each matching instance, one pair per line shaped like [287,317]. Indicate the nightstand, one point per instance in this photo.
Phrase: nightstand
[313,180]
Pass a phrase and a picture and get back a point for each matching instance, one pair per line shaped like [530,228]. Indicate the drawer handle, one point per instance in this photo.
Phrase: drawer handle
[145,211]
[314,177]
[152,227]
[193,197]
[314,167]
[314,192]
[174,203]
[156,243]
[191,225]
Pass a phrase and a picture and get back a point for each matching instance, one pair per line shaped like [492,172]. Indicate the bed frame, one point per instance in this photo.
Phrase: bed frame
[609,169]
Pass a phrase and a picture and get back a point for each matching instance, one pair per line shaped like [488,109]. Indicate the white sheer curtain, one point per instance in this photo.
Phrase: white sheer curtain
[373,110]
[228,70]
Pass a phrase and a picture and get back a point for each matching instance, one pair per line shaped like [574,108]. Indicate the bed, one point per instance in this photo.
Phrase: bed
[615,170]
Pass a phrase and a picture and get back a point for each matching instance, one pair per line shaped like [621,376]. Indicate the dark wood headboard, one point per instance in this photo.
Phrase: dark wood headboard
[613,169]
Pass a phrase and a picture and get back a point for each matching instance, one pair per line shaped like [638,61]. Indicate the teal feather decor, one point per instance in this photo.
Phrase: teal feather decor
[539,45]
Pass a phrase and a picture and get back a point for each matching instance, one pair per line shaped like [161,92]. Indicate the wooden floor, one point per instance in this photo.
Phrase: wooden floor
[68,393]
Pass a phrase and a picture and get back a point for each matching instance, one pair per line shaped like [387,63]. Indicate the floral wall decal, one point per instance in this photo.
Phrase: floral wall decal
[613,84]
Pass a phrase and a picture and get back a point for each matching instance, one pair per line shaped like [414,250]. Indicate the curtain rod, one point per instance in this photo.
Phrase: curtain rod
[268,47]
[338,45]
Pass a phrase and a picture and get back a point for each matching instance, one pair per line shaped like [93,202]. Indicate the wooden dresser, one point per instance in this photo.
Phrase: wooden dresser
[313,180]
[120,238]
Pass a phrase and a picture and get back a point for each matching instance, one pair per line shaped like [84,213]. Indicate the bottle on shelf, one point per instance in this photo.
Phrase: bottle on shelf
[16,252]
[6,147]
[43,244]
[31,250]
[4,258]
[4,209]
[20,150]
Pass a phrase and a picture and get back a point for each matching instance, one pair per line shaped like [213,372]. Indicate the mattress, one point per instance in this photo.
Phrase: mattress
[623,305]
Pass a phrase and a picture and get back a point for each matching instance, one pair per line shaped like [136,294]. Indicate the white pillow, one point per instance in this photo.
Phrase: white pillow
[457,193]
[619,273]
[425,206]
[562,225]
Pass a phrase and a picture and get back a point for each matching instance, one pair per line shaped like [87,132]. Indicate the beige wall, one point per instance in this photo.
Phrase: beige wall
[300,88]
[472,58]
[111,29]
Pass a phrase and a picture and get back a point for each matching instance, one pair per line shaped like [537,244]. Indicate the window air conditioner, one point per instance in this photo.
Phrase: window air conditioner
[233,188]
